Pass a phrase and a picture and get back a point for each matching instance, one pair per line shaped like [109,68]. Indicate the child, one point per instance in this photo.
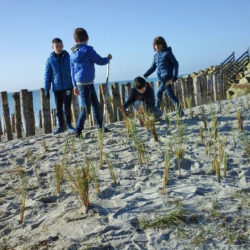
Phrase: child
[82,62]
[58,73]
[167,70]
[142,95]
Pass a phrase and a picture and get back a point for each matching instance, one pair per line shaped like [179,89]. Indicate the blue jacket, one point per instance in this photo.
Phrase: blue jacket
[166,65]
[82,62]
[147,97]
[57,72]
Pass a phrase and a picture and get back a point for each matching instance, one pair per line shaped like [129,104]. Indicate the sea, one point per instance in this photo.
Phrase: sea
[37,102]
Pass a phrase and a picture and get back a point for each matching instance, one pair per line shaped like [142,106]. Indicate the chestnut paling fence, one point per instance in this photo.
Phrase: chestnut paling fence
[198,89]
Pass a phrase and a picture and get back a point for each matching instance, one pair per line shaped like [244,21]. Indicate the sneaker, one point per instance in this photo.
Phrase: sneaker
[77,134]
[71,130]
[106,130]
[58,131]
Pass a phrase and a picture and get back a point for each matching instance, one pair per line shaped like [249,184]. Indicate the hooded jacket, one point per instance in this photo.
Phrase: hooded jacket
[147,97]
[82,62]
[57,72]
[166,64]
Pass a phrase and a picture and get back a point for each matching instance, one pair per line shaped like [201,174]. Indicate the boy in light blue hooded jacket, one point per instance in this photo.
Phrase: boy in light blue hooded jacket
[82,61]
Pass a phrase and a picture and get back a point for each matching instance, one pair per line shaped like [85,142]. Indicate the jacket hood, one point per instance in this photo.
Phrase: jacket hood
[80,51]
[65,53]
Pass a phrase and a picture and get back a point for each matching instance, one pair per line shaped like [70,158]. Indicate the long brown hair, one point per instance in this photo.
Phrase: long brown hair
[160,40]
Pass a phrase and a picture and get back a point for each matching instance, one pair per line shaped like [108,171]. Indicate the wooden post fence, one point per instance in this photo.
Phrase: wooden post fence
[6,115]
[17,112]
[46,118]
[75,109]
[27,112]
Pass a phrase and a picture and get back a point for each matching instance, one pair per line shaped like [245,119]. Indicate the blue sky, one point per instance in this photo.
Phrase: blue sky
[200,32]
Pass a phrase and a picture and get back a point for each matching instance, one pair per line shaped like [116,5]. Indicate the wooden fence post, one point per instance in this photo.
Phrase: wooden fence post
[13,123]
[53,118]
[179,92]
[123,94]
[128,89]
[31,113]
[215,88]
[101,100]
[109,110]
[40,120]
[210,92]
[116,101]
[17,112]
[75,109]
[203,86]
[6,115]
[197,90]
[46,118]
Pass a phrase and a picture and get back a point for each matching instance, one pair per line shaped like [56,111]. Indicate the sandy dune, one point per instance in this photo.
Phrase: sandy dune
[200,213]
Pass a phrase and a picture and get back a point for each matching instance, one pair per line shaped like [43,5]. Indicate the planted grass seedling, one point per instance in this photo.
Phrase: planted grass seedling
[58,178]
[222,145]
[79,182]
[43,141]
[214,127]
[138,143]
[239,119]
[217,167]
[149,121]
[204,117]
[125,118]
[111,170]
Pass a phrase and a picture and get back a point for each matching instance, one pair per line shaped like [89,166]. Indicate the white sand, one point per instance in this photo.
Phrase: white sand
[216,214]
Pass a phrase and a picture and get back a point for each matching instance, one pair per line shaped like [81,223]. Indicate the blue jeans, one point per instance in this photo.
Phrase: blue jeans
[169,92]
[88,98]
[155,110]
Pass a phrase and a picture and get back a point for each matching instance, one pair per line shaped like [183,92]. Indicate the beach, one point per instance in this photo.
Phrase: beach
[199,210]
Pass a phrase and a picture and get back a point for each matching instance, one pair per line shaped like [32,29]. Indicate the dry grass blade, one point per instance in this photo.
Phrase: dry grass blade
[111,170]
[222,148]
[79,181]
[215,129]
[64,158]
[217,168]
[239,119]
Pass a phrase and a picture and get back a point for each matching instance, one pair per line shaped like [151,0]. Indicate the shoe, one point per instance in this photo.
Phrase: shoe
[106,130]
[58,131]
[77,134]
[71,130]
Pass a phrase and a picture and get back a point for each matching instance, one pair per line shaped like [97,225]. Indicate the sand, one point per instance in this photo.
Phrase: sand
[200,212]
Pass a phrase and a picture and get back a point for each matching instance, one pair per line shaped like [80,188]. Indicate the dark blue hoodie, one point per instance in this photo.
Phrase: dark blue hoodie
[147,97]
[166,65]
[57,72]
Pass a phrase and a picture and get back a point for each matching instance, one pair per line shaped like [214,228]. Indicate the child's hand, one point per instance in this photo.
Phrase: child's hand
[109,56]
[76,91]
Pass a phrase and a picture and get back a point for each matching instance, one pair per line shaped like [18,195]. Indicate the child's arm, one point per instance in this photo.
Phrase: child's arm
[98,59]
[47,77]
[150,70]
[175,64]
[130,99]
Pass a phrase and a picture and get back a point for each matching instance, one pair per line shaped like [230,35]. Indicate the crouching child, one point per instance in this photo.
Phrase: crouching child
[142,98]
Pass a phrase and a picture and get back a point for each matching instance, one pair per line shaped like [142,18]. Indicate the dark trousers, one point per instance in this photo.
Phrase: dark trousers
[63,105]
[89,98]
[169,92]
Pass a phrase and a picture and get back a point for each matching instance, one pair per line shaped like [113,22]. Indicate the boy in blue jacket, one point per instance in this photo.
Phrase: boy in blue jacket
[57,74]
[167,71]
[142,95]
[83,59]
